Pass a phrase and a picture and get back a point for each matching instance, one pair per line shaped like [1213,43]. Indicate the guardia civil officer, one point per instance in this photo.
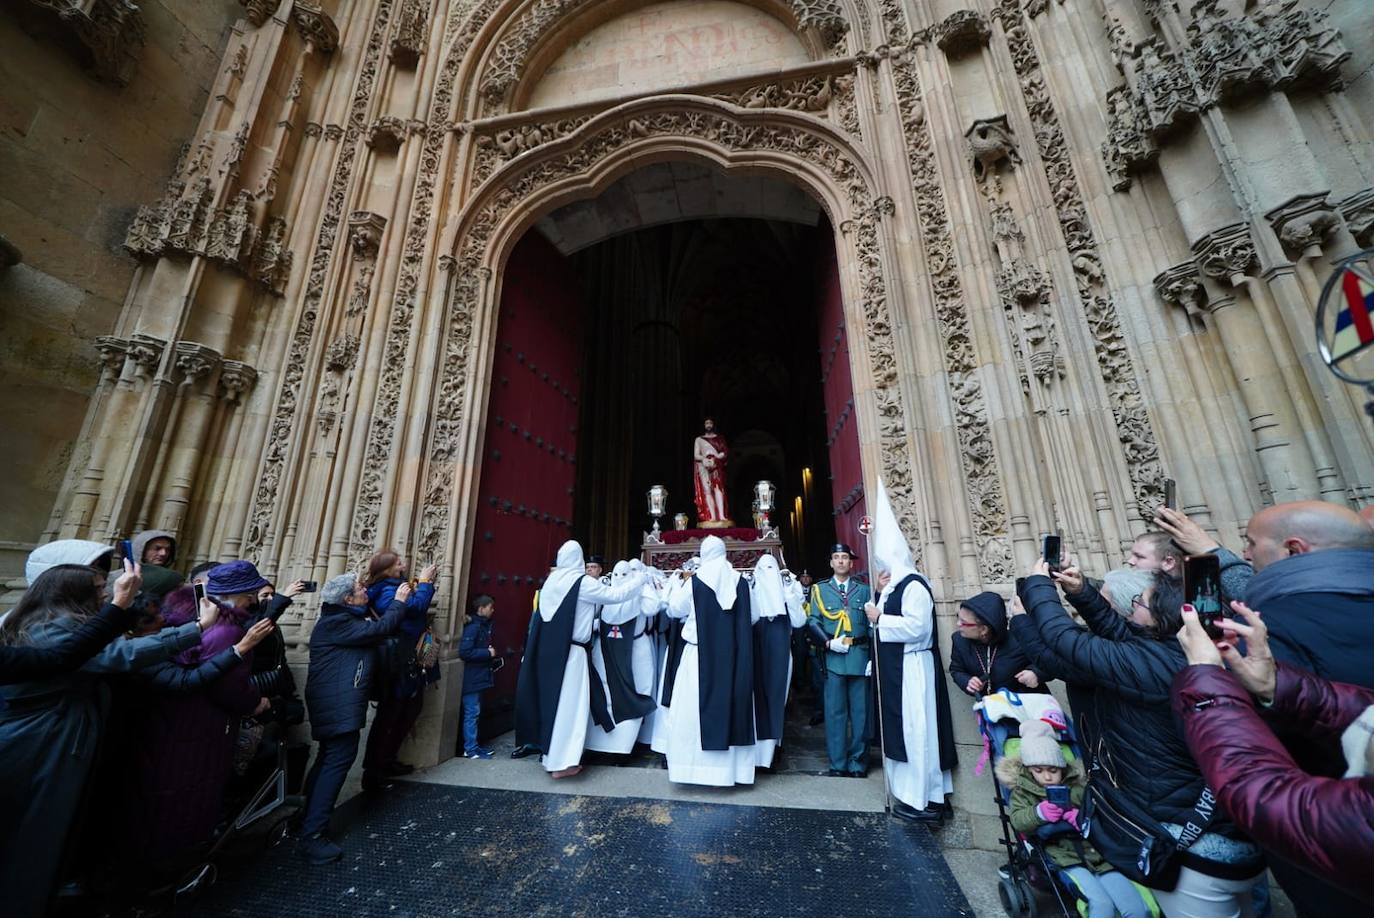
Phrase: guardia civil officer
[837,623]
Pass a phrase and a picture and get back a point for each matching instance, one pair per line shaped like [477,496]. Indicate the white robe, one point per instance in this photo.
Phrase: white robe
[918,782]
[688,763]
[574,699]
[792,598]
[621,739]
[653,603]
[659,738]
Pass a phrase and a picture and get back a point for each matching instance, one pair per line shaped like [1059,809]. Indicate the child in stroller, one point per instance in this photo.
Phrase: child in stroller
[1039,779]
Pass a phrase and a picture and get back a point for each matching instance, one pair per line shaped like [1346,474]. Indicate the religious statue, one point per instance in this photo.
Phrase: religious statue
[709,455]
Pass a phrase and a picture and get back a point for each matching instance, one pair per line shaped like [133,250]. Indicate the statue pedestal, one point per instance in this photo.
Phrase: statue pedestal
[743,546]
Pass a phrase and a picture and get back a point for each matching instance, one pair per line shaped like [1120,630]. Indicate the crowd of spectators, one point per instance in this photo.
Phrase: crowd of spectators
[140,708]
[1251,746]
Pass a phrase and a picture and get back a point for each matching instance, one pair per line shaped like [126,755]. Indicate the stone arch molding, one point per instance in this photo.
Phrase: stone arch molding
[802,149]
[822,25]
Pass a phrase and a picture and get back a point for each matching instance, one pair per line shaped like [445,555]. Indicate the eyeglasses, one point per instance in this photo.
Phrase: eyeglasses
[1139,600]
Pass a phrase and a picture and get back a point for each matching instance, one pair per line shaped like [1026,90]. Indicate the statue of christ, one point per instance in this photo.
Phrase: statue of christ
[709,454]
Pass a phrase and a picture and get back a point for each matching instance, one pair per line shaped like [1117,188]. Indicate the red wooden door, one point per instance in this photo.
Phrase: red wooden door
[526,488]
[837,389]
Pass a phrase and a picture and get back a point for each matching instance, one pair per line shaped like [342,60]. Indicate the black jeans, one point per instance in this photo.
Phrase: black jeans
[393,722]
[333,758]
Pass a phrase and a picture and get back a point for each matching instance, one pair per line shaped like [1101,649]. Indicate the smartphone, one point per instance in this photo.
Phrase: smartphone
[1052,549]
[309,586]
[1202,589]
[1171,494]
[127,549]
[199,589]
[1058,794]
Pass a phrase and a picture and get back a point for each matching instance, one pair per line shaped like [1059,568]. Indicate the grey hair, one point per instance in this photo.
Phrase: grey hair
[336,589]
[1121,585]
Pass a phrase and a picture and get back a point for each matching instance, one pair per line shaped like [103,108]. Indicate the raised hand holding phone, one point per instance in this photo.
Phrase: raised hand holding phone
[128,584]
[1052,548]
[403,592]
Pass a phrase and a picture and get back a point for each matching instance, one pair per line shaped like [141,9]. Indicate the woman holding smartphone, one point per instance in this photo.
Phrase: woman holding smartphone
[402,691]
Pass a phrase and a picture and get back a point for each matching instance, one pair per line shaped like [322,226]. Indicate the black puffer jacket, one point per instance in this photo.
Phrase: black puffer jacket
[996,662]
[343,662]
[1131,675]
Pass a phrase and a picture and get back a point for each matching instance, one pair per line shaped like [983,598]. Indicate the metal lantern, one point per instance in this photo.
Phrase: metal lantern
[764,493]
[658,504]
[680,521]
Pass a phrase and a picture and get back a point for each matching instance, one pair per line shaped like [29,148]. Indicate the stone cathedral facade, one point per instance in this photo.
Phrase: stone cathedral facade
[1080,244]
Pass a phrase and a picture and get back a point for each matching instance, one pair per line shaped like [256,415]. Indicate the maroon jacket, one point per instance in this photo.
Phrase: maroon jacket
[1324,824]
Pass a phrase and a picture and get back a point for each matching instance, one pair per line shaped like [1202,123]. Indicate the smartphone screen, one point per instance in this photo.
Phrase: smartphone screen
[1052,550]
[199,589]
[1171,494]
[1202,588]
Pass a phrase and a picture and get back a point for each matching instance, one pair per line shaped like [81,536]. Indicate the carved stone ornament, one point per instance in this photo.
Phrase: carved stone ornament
[146,351]
[107,35]
[365,232]
[1226,254]
[1303,221]
[387,134]
[236,378]
[1277,45]
[331,222]
[340,354]
[962,32]
[1134,431]
[315,25]
[195,361]
[982,477]
[185,222]
[824,96]
[259,11]
[1181,285]
[113,352]
[1129,145]
[1358,210]
[519,39]
[408,41]
[991,143]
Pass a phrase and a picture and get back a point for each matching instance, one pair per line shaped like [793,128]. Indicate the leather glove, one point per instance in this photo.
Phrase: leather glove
[1049,812]
[837,646]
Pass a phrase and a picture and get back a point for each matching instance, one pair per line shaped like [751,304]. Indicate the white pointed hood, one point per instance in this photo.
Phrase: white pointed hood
[569,569]
[716,572]
[890,550]
[766,593]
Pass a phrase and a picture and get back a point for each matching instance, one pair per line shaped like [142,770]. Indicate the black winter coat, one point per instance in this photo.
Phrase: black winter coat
[1131,675]
[343,663]
[968,659]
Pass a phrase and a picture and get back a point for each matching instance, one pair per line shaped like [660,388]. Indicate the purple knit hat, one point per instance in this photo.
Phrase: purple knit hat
[234,577]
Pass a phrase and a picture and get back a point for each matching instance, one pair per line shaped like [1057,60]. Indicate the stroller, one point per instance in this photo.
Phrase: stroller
[1028,867]
[268,782]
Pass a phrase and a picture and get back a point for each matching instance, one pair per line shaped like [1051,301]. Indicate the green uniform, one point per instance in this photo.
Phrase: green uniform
[841,614]
[826,601]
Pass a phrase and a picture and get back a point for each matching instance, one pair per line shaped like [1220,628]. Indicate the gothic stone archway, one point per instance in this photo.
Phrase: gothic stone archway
[797,147]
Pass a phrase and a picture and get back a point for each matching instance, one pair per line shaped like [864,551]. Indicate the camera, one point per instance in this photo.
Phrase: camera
[1202,590]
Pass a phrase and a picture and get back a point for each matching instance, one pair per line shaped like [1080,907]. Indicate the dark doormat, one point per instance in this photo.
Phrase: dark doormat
[429,850]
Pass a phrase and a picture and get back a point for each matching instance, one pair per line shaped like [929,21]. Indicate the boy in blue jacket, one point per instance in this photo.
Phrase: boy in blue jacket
[477,654]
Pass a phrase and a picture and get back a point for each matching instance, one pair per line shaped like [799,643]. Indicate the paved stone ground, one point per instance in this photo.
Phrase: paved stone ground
[430,850]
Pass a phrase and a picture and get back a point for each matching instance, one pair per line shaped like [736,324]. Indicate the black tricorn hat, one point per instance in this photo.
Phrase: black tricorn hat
[842,547]
[597,559]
